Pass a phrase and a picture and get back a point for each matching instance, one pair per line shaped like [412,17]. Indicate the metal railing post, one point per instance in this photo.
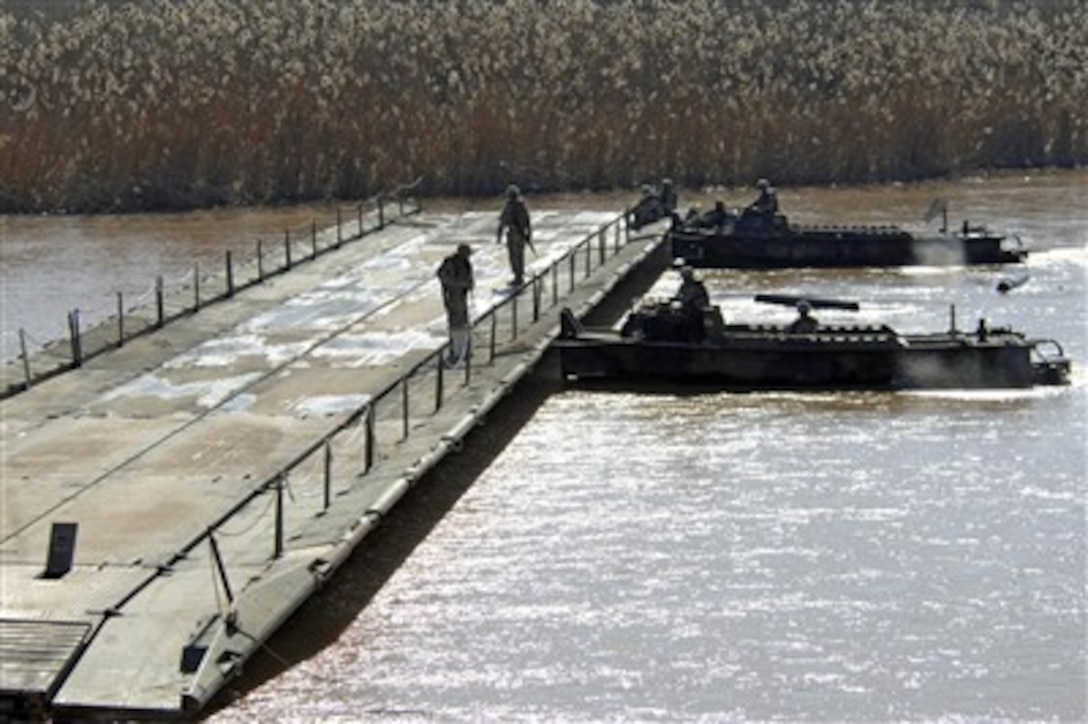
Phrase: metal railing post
[220,567]
[555,284]
[260,261]
[536,299]
[230,275]
[196,286]
[339,232]
[159,302]
[514,316]
[120,319]
[494,334]
[73,330]
[328,476]
[439,382]
[404,408]
[25,356]
[278,544]
[369,438]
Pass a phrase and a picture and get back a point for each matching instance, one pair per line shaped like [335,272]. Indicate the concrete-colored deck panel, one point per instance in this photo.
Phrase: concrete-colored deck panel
[149,446]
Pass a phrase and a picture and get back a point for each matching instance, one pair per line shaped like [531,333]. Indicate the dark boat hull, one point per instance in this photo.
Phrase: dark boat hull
[824,361]
[782,247]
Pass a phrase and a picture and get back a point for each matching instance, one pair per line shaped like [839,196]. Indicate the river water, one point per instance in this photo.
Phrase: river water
[730,557]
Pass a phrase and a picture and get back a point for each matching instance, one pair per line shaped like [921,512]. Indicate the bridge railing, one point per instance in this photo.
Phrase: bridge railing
[304,487]
[166,301]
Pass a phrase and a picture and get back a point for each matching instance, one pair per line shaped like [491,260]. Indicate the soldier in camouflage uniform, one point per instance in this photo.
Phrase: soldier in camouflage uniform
[514,219]
[455,274]
[767,202]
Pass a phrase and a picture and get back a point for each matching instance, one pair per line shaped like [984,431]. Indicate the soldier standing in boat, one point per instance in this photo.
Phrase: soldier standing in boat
[766,204]
[668,197]
[455,274]
[692,298]
[805,322]
[642,213]
[692,293]
[716,218]
[514,219]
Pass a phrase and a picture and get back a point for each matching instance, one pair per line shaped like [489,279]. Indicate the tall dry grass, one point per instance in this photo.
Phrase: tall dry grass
[172,103]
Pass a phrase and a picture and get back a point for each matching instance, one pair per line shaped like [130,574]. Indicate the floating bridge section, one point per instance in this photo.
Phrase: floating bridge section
[167,504]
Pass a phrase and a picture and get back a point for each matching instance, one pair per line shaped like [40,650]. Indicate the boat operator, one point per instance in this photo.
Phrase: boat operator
[692,299]
[692,294]
[653,205]
[805,322]
[716,218]
[766,204]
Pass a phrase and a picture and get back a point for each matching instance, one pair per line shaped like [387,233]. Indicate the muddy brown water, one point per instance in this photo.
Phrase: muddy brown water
[50,265]
[715,557]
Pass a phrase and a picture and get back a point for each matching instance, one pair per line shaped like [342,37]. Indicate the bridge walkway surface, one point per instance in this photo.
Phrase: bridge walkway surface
[168,504]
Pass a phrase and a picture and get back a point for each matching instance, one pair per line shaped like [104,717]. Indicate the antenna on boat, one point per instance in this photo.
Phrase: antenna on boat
[790,300]
[938,206]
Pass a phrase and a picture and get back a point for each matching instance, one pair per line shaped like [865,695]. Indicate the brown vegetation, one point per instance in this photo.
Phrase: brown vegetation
[173,103]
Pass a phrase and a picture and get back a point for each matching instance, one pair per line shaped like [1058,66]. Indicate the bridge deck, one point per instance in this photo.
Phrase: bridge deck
[192,544]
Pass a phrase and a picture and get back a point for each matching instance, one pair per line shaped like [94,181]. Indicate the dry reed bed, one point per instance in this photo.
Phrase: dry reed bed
[166,103]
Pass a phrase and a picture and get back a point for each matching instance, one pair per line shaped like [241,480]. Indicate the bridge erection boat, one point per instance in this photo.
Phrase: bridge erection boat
[661,343]
[747,240]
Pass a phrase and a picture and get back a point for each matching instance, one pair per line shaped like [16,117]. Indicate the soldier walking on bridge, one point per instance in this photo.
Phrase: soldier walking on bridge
[514,219]
[455,274]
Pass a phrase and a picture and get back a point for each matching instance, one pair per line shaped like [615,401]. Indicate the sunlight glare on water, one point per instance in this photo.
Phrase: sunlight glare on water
[861,556]
[801,557]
